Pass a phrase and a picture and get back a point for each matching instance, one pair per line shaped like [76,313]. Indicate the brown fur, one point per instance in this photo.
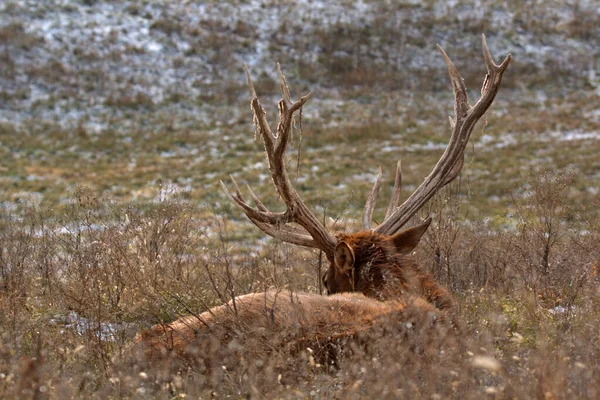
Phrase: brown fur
[269,322]
[380,272]
[376,266]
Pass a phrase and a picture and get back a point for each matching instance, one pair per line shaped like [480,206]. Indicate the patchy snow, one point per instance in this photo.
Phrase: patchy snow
[558,310]
[567,136]
[85,64]
[364,177]
[426,147]
[105,331]
[490,142]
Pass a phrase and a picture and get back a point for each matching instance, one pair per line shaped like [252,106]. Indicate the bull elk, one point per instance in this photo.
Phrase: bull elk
[371,275]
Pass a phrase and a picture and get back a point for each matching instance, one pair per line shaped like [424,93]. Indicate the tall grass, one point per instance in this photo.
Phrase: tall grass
[78,284]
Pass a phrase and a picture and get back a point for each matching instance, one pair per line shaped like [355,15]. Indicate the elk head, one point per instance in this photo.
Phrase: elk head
[376,265]
[376,260]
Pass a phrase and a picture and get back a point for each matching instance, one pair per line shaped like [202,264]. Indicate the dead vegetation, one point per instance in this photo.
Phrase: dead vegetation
[74,294]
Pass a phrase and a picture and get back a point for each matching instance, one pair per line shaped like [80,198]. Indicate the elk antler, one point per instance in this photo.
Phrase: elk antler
[274,224]
[311,233]
[451,162]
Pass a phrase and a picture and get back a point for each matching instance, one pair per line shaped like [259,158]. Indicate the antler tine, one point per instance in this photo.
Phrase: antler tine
[489,60]
[492,81]
[272,224]
[287,234]
[257,201]
[250,85]
[395,199]
[461,101]
[313,234]
[450,164]
[371,200]
[258,215]
[285,90]
[259,116]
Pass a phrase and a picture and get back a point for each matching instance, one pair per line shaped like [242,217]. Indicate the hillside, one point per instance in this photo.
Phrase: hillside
[118,88]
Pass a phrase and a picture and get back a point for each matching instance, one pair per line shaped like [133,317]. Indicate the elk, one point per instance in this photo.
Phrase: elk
[371,274]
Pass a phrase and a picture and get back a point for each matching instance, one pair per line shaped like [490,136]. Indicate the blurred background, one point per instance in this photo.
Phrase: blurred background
[120,95]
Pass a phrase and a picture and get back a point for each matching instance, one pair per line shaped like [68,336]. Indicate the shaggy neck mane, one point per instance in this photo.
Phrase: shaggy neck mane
[380,272]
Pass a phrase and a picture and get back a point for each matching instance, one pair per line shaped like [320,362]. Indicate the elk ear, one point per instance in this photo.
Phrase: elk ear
[343,257]
[404,242]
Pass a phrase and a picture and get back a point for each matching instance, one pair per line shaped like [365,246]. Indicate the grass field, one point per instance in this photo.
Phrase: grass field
[119,119]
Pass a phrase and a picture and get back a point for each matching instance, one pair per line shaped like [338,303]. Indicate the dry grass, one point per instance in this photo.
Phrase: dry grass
[78,285]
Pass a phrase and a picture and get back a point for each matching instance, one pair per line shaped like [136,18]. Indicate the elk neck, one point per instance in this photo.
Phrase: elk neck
[381,272]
